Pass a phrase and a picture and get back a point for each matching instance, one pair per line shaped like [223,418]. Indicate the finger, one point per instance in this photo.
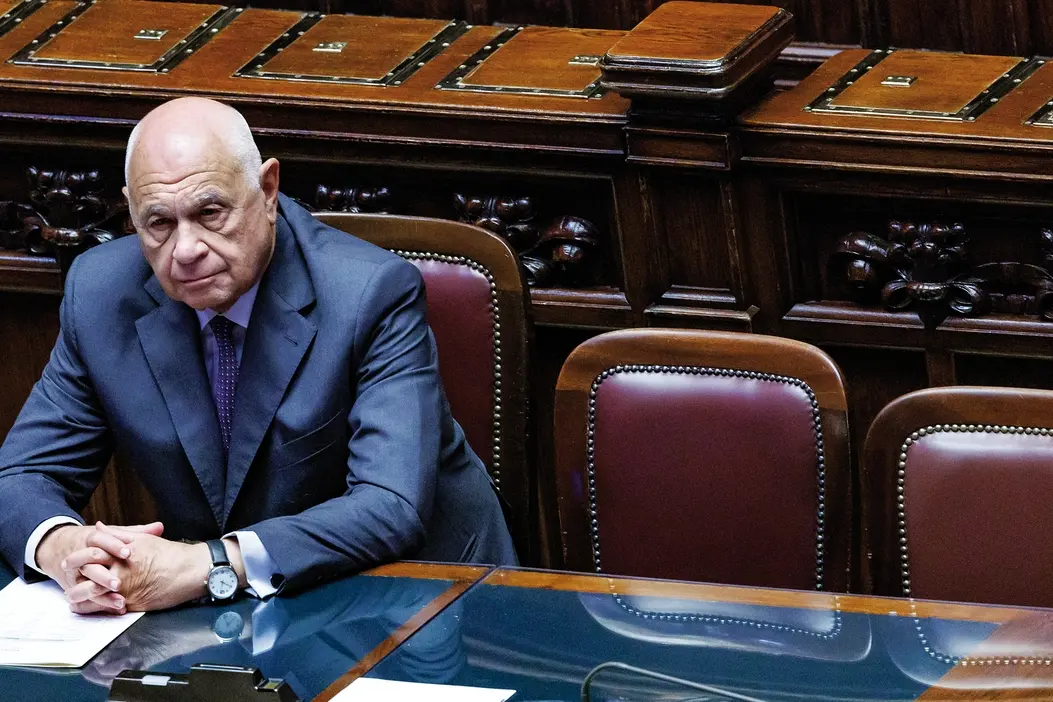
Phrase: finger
[109,543]
[91,590]
[66,578]
[101,575]
[111,600]
[92,607]
[153,528]
[82,557]
[125,534]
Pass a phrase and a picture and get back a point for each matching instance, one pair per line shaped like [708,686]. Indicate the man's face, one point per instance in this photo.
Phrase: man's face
[206,232]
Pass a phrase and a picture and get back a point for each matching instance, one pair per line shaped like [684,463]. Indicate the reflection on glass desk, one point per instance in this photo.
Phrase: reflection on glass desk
[311,640]
[541,634]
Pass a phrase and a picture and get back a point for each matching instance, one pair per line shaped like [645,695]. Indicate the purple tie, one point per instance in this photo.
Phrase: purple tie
[223,330]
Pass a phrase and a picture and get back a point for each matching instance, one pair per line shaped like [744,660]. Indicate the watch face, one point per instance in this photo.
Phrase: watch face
[228,626]
[222,582]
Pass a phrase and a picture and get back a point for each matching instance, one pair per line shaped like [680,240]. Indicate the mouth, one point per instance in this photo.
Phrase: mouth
[197,282]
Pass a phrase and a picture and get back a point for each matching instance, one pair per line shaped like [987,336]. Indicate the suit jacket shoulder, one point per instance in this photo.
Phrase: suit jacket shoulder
[110,270]
[324,245]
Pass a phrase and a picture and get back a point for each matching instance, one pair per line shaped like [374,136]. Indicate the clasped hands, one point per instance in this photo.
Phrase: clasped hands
[113,570]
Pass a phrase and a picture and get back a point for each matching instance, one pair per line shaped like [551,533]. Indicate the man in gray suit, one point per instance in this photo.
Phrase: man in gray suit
[273,382]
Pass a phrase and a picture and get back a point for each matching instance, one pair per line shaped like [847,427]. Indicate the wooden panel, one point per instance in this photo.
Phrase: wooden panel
[375,45]
[655,238]
[1012,27]
[539,57]
[552,346]
[996,27]
[1004,122]
[106,32]
[662,34]
[922,23]
[679,54]
[20,272]
[873,378]
[28,328]
[979,26]
[211,70]
[945,82]
[973,369]
[1039,18]
[689,218]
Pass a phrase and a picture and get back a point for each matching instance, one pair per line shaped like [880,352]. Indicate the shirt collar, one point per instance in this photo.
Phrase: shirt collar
[238,313]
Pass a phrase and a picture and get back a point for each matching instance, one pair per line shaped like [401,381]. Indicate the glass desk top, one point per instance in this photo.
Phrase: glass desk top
[541,633]
[320,638]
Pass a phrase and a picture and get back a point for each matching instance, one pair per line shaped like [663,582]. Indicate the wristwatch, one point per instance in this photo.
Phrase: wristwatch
[222,580]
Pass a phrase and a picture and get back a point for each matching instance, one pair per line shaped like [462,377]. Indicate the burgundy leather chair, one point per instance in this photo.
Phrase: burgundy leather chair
[477,300]
[704,456]
[957,488]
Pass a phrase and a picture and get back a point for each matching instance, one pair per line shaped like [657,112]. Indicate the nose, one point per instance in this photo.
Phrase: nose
[189,248]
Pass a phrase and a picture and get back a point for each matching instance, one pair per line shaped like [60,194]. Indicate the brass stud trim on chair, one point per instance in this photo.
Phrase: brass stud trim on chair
[495,317]
[904,553]
[703,370]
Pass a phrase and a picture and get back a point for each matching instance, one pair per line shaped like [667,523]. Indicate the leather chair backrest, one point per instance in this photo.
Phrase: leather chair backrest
[959,496]
[461,315]
[704,456]
[477,300]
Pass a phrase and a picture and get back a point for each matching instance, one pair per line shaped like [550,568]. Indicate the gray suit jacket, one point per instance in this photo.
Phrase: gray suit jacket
[343,451]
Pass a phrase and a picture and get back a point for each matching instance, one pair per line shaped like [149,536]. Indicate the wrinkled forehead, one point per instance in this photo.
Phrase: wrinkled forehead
[167,161]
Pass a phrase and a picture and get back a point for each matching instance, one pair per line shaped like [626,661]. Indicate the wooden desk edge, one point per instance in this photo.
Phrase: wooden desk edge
[858,604]
[429,571]
[463,576]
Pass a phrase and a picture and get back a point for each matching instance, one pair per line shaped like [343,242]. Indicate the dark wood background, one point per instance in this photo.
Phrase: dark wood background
[683,218]
[1011,27]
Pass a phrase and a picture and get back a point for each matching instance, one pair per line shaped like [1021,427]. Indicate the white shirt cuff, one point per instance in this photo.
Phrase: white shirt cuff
[38,535]
[260,568]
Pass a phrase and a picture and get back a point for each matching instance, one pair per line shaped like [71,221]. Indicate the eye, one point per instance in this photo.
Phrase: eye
[211,212]
[159,224]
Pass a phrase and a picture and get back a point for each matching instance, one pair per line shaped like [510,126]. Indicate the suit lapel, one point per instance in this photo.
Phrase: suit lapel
[276,341]
[170,338]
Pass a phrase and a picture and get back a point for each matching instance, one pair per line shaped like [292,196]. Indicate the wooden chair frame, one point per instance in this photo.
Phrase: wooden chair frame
[956,406]
[671,350]
[422,237]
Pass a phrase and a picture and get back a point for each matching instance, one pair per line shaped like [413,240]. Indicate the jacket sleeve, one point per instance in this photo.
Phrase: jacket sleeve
[395,440]
[58,448]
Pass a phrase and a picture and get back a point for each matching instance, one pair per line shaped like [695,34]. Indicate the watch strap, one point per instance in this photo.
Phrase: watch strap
[218,552]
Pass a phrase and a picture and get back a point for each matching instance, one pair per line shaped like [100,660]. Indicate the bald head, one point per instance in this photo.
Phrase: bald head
[203,202]
[178,128]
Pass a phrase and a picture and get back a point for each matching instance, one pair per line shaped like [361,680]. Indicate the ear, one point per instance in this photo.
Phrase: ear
[128,199]
[269,186]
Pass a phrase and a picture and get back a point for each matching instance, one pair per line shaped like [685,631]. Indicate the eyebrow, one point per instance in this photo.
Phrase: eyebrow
[154,210]
[209,197]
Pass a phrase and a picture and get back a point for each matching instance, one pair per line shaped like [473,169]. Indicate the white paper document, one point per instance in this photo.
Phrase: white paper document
[37,628]
[377,690]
